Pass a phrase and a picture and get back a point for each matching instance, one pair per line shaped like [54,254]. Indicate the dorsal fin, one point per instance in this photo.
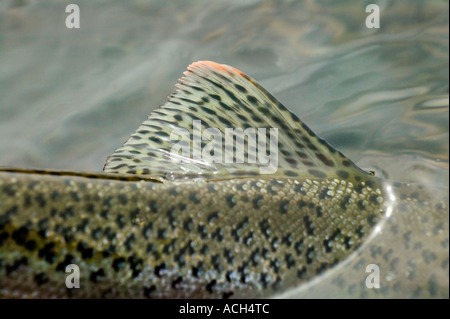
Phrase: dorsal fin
[222,97]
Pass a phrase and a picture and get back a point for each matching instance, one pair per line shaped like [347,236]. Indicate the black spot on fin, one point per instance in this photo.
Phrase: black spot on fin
[223,97]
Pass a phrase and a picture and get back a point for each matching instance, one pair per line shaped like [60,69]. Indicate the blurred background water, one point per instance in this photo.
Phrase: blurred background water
[69,97]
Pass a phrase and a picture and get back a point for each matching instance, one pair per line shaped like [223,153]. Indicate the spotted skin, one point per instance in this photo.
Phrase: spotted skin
[203,239]
[222,97]
[147,228]
[409,245]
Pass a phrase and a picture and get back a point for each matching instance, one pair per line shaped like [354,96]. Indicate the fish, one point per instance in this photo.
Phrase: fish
[162,224]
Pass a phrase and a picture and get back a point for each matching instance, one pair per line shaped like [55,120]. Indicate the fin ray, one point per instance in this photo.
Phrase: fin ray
[223,97]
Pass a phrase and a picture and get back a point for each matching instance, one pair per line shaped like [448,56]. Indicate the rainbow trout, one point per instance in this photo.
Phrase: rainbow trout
[159,224]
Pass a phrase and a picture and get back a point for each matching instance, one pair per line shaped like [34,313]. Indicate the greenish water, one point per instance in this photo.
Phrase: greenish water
[69,97]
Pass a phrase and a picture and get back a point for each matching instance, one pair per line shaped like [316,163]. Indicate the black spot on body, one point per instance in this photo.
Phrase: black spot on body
[41,279]
[371,220]
[202,231]
[301,273]
[290,261]
[257,201]
[248,239]
[16,265]
[29,245]
[129,242]
[3,237]
[284,206]
[97,276]
[48,253]
[360,231]
[228,255]
[96,233]
[345,201]
[274,243]
[176,283]
[169,248]
[433,286]
[75,196]
[373,199]
[212,217]
[301,203]
[180,258]
[217,234]
[122,199]
[40,200]
[26,200]
[298,189]
[254,257]
[299,247]
[194,197]
[188,224]
[90,208]
[323,193]
[275,265]
[9,190]
[120,221]
[118,263]
[348,242]
[318,211]
[310,254]
[227,294]
[198,270]
[85,250]
[210,286]
[215,261]
[407,239]
[322,268]
[428,256]
[204,250]
[309,226]
[148,291]
[370,183]
[265,227]
[287,240]
[265,279]
[68,259]
[230,200]
[171,217]
[173,191]
[20,235]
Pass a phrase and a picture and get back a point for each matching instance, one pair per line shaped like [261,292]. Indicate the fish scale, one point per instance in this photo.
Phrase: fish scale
[155,237]
[152,227]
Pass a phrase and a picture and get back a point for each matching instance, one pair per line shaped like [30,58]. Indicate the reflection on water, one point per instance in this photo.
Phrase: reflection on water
[68,98]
